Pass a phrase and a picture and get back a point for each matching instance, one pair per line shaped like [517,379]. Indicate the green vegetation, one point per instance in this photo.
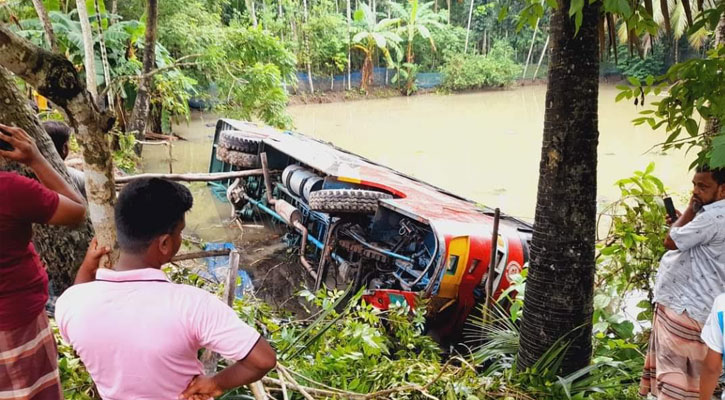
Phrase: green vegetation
[349,347]
[496,69]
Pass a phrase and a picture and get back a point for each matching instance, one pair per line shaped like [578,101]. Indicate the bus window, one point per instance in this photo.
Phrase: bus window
[474,265]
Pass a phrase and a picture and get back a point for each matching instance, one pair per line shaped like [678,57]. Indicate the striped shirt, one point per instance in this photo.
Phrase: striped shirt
[690,277]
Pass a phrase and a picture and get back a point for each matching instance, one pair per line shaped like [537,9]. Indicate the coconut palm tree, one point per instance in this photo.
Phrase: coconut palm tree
[370,36]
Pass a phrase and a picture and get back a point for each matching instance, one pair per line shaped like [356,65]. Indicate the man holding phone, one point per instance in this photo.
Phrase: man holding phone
[691,274]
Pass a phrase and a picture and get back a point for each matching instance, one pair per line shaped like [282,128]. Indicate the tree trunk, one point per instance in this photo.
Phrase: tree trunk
[543,53]
[559,289]
[89,58]
[252,13]
[114,9]
[531,49]
[140,114]
[349,56]
[449,12]
[366,76]
[311,87]
[54,77]
[104,55]
[468,27]
[47,26]
[61,248]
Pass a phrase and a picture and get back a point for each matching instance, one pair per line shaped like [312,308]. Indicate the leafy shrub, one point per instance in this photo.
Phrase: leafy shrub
[466,71]
[633,65]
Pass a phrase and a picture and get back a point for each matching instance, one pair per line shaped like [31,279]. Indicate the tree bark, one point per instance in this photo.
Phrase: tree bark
[140,114]
[61,248]
[559,287]
[47,26]
[54,77]
[89,59]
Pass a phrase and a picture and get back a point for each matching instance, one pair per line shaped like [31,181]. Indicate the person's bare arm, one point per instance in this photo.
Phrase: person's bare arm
[710,374]
[683,220]
[71,206]
[260,360]
[87,271]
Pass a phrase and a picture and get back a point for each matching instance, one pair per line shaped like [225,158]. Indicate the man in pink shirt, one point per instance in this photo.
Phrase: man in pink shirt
[139,334]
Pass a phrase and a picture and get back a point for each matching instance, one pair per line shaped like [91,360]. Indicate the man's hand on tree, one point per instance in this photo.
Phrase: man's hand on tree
[24,151]
[87,271]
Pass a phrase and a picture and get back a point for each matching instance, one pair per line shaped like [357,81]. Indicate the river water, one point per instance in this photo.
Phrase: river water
[484,146]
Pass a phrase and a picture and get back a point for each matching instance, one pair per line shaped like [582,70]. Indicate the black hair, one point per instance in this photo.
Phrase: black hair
[718,174]
[59,133]
[147,208]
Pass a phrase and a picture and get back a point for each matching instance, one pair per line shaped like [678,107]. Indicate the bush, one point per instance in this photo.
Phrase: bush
[467,71]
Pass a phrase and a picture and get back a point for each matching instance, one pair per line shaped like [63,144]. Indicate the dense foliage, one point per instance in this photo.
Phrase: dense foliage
[496,69]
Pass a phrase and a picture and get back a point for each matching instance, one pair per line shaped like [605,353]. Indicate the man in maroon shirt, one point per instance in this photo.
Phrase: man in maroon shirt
[28,358]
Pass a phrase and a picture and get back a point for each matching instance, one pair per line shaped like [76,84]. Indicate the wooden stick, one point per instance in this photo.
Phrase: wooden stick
[200,254]
[194,177]
[211,359]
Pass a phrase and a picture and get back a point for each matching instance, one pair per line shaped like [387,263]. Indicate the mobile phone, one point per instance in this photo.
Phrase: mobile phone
[670,208]
[3,144]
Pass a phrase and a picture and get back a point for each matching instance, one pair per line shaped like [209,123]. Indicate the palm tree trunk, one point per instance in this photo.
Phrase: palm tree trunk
[89,58]
[62,249]
[349,56]
[252,13]
[531,48]
[449,11]
[559,288]
[543,53]
[468,27]
[47,26]
[141,106]
[114,11]
[307,48]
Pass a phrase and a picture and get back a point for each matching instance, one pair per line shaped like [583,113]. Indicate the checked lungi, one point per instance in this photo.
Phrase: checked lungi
[675,357]
[29,363]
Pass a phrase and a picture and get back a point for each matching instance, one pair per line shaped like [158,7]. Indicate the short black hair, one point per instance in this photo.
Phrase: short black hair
[147,208]
[718,174]
[59,133]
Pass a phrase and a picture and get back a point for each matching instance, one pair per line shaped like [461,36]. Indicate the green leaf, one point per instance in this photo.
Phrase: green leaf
[717,157]
[634,81]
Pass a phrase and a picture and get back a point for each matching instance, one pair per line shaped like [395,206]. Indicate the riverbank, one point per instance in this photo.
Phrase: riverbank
[385,92]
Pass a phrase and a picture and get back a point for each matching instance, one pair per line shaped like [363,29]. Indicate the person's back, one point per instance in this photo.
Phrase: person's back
[139,334]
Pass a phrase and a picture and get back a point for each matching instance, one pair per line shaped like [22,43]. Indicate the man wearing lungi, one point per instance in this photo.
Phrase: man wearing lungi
[28,357]
[691,274]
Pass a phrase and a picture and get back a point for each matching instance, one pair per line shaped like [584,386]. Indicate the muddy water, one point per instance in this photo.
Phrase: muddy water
[484,146]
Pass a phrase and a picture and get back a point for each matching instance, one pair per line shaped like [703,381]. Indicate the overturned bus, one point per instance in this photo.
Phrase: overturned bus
[356,222]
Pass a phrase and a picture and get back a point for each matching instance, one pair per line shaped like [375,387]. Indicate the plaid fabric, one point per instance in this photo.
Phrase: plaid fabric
[29,363]
[675,357]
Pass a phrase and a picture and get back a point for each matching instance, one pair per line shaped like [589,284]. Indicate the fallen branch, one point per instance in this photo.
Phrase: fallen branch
[196,177]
